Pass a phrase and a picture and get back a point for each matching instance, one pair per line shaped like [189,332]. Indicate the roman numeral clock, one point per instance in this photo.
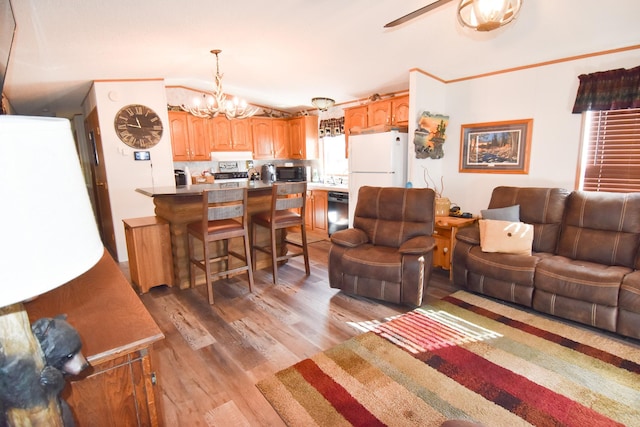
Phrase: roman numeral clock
[138,126]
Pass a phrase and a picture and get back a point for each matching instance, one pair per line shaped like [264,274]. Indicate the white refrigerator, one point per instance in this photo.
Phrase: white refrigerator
[376,159]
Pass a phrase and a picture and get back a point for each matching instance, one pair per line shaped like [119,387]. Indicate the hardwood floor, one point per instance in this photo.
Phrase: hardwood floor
[213,355]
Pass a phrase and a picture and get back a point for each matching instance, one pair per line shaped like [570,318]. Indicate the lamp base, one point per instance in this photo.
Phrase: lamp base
[22,397]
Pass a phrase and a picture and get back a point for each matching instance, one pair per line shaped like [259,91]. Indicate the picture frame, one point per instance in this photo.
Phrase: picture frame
[496,147]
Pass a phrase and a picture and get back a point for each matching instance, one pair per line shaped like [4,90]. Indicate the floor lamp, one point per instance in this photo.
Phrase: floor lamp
[49,236]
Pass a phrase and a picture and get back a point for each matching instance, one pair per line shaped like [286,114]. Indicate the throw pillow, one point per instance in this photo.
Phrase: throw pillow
[506,237]
[510,213]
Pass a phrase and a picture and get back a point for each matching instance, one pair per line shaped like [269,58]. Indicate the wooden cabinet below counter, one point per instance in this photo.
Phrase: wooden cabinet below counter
[117,332]
[316,210]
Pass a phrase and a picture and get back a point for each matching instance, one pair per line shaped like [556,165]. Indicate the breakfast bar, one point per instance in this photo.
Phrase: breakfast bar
[181,205]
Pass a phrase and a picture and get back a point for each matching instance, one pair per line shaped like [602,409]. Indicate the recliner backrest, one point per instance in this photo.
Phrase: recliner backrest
[540,206]
[392,215]
[602,227]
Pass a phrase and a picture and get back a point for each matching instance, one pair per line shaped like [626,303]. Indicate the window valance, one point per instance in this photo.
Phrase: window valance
[608,90]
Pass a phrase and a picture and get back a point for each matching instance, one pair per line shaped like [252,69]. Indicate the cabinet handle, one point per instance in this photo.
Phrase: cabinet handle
[154,379]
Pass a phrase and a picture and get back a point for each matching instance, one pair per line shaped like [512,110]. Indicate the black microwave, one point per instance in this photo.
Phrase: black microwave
[291,173]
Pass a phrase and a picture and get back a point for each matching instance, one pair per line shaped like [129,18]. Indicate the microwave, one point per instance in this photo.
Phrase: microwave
[291,173]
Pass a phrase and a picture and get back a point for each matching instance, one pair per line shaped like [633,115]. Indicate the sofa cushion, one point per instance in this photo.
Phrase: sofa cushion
[510,213]
[505,237]
[541,207]
[602,228]
[629,306]
[580,280]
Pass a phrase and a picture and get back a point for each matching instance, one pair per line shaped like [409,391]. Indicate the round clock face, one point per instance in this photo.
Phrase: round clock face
[138,126]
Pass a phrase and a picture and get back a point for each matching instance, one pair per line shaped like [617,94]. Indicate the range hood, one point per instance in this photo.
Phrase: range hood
[227,156]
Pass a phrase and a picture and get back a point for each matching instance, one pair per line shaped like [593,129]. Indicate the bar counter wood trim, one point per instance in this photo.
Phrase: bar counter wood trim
[117,335]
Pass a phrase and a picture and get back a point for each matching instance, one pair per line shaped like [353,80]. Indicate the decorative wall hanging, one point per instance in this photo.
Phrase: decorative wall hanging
[430,135]
[496,147]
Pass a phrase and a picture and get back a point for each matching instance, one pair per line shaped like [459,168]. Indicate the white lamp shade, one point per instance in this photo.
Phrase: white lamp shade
[49,233]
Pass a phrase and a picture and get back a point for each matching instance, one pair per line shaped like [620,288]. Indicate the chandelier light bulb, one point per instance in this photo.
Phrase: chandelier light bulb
[487,15]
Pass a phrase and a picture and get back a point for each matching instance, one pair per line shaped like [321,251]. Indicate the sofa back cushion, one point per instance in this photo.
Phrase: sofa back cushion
[602,227]
[541,207]
[392,215]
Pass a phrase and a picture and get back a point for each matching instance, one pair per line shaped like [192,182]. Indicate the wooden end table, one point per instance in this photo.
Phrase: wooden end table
[445,229]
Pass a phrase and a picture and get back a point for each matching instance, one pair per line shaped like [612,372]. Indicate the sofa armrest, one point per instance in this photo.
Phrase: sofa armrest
[469,235]
[350,238]
[418,245]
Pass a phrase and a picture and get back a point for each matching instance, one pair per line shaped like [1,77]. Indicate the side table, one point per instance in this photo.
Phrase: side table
[445,229]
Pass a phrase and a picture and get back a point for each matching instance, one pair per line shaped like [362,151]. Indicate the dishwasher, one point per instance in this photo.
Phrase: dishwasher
[338,211]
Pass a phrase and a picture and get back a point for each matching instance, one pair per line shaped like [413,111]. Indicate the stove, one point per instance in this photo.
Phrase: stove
[219,176]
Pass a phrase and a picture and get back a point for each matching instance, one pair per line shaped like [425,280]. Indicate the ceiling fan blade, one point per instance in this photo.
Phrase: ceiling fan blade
[416,13]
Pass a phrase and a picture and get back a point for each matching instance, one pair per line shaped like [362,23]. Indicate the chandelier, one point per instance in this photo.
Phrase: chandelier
[487,15]
[216,102]
[323,104]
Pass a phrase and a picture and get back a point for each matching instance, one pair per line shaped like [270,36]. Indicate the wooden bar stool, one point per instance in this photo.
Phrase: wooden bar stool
[224,216]
[288,202]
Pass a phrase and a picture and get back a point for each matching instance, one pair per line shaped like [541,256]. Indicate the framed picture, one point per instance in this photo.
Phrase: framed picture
[496,147]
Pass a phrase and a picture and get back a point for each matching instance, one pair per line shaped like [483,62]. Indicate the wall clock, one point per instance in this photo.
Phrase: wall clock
[138,126]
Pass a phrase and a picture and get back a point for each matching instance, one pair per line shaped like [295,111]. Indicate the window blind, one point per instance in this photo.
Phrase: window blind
[612,157]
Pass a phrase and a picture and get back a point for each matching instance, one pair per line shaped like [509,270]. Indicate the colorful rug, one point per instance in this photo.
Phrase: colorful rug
[465,357]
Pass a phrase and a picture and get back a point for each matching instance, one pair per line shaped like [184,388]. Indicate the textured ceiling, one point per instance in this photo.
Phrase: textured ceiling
[282,53]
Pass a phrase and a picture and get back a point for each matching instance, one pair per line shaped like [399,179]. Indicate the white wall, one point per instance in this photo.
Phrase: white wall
[124,174]
[545,94]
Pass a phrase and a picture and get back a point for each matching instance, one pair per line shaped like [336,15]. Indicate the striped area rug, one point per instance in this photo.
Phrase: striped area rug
[465,357]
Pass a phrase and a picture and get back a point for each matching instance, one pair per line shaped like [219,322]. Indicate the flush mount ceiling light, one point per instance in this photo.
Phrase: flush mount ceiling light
[323,104]
[487,15]
[216,102]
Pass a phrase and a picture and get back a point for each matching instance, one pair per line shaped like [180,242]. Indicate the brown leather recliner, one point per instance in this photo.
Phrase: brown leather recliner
[387,255]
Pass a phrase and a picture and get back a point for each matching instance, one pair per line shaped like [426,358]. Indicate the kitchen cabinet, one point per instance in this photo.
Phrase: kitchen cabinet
[316,210]
[270,138]
[189,137]
[230,135]
[303,134]
[393,111]
[390,112]
[121,387]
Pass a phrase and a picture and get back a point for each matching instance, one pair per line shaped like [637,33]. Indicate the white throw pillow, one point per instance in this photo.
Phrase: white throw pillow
[506,237]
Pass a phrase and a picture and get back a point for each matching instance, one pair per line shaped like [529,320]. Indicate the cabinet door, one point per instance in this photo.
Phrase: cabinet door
[281,139]
[308,213]
[296,137]
[198,139]
[354,118]
[400,111]
[179,129]
[262,130]
[220,132]
[380,113]
[241,135]
[320,208]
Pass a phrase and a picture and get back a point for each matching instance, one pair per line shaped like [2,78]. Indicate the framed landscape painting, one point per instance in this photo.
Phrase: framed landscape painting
[496,147]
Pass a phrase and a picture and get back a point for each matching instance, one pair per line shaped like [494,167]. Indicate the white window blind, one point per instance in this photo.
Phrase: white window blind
[611,160]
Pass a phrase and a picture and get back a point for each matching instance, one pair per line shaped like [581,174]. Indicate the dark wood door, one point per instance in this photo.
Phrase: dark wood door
[100,188]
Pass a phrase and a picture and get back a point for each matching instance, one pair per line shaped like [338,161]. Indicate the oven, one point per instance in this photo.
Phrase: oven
[338,211]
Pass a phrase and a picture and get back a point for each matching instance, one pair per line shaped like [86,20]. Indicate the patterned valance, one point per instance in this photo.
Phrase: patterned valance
[608,90]
[331,127]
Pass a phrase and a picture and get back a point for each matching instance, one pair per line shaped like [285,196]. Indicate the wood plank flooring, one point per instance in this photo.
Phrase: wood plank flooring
[213,355]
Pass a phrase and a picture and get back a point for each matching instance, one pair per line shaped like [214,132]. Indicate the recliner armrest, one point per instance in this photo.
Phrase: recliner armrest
[351,237]
[469,235]
[418,245]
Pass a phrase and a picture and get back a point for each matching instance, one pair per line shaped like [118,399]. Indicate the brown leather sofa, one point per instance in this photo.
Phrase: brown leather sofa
[387,255]
[585,261]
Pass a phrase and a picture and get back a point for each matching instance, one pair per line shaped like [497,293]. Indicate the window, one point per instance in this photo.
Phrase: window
[611,151]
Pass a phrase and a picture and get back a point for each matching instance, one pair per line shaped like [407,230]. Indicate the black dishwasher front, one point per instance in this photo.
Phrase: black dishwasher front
[338,211]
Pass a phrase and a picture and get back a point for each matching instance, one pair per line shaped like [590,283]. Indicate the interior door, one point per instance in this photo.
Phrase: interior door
[100,185]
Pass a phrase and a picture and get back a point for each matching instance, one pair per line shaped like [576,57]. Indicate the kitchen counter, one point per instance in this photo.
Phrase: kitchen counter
[328,187]
[182,205]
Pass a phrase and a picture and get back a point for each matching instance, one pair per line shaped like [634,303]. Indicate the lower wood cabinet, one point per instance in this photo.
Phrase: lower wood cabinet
[121,387]
[316,210]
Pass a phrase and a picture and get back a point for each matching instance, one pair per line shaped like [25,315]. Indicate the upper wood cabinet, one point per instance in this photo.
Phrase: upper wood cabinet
[303,134]
[262,129]
[189,137]
[281,143]
[230,135]
[393,112]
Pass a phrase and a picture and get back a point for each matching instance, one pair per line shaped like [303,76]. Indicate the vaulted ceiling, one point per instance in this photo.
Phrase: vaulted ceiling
[282,53]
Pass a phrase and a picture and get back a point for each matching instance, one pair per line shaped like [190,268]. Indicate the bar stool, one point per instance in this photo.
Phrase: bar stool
[224,216]
[288,202]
